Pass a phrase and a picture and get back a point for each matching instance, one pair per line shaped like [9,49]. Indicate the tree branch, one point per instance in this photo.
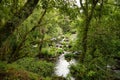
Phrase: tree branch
[113,4]
[82,6]
[18,48]
[17,19]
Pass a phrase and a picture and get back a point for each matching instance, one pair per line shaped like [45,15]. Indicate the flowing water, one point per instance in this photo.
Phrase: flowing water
[62,66]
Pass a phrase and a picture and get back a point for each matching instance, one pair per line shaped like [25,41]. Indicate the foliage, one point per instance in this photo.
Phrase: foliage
[48,52]
[69,56]
[100,46]
[59,51]
[42,68]
[90,72]
[16,72]
[27,28]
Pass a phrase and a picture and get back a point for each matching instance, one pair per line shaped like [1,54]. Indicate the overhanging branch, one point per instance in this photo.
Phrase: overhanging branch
[17,19]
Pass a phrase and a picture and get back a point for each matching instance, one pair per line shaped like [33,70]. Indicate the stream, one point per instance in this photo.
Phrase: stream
[62,66]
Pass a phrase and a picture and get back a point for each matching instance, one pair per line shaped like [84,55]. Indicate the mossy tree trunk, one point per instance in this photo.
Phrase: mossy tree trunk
[88,17]
[17,19]
[8,29]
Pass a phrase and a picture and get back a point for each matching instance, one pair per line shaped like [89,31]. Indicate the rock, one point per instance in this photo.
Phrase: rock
[36,45]
[53,39]
[59,45]
[77,52]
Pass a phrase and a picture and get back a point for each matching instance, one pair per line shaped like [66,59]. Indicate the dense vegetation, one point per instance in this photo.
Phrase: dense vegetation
[32,30]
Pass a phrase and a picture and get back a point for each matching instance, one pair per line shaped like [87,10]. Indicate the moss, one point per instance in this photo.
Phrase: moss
[16,72]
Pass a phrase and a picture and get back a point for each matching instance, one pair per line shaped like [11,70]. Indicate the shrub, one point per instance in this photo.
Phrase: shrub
[2,66]
[44,51]
[16,72]
[60,51]
[48,52]
[52,52]
[78,71]
[90,72]
[69,56]
[42,68]
[58,78]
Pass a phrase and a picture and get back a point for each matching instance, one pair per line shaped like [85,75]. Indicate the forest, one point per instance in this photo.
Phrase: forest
[59,39]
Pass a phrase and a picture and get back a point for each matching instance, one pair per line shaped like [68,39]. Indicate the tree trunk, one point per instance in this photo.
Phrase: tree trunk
[0,1]
[84,39]
[88,18]
[17,19]
[15,52]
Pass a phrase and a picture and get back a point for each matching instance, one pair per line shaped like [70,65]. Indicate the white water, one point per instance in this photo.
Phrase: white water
[62,66]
